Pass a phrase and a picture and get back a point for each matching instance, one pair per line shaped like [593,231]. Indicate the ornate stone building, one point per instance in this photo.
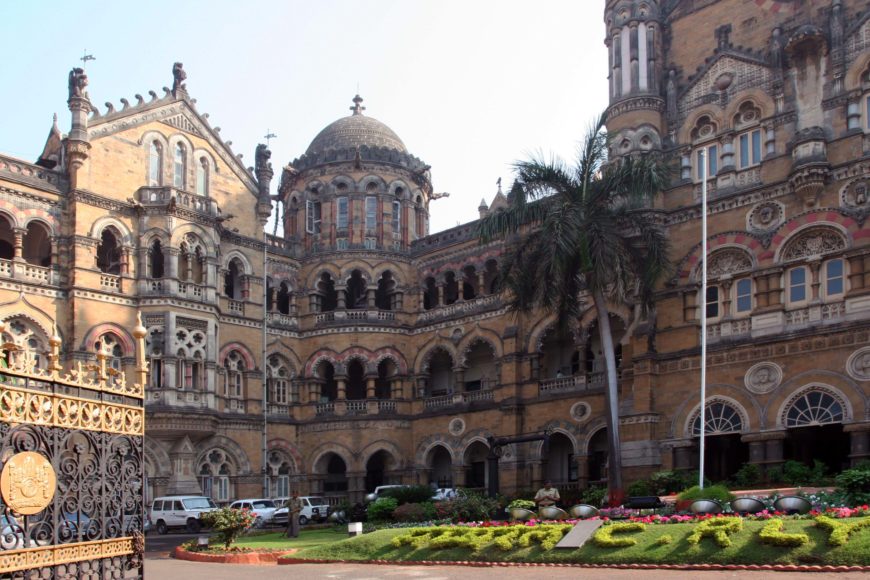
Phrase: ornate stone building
[387,351]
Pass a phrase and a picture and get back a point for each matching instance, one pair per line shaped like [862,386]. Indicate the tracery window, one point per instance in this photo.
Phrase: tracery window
[234,379]
[109,253]
[111,344]
[214,476]
[278,380]
[720,417]
[814,407]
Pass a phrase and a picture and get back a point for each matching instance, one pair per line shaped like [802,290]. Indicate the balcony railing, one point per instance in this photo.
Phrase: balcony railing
[279,319]
[443,401]
[110,282]
[345,316]
[325,408]
[236,306]
[278,409]
[28,272]
[461,308]
[356,408]
[158,196]
[386,407]
[563,384]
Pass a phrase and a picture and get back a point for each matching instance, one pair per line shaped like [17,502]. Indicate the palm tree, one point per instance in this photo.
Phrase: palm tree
[583,228]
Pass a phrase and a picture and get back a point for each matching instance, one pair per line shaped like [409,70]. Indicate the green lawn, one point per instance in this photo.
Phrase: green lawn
[278,541]
[745,549]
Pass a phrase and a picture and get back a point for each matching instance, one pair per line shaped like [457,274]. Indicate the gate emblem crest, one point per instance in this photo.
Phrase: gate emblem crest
[27,483]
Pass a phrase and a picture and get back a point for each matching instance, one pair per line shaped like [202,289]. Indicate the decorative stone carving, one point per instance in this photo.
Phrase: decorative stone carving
[728,261]
[858,365]
[456,427]
[178,77]
[765,216]
[814,242]
[78,80]
[856,194]
[581,411]
[763,377]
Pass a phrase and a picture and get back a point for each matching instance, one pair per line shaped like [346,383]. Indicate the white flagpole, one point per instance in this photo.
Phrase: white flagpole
[702,159]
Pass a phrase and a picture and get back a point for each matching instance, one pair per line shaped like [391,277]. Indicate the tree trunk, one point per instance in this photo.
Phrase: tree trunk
[615,490]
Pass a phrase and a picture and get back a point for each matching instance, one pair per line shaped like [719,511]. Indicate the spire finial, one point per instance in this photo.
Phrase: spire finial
[499,184]
[357,105]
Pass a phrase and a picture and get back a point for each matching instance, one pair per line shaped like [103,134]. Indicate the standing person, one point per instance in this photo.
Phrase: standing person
[294,508]
[547,495]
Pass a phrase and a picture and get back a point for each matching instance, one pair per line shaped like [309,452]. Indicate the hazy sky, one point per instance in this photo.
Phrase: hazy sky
[469,86]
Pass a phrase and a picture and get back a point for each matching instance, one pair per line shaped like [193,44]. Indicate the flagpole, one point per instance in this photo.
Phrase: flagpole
[702,159]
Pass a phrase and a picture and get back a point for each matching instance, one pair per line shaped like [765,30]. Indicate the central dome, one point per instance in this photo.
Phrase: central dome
[355,131]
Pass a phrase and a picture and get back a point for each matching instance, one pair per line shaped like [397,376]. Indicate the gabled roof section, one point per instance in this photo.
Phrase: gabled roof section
[744,69]
[53,151]
[175,108]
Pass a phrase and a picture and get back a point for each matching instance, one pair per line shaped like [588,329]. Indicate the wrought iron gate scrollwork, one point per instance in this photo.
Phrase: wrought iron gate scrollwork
[88,425]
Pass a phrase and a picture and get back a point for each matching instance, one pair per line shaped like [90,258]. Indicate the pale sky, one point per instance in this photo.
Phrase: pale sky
[470,86]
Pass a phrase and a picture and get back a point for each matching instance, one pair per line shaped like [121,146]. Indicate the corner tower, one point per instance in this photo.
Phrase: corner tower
[637,84]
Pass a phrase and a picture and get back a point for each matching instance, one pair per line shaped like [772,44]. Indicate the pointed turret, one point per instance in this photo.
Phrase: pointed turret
[78,145]
[52,153]
[263,171]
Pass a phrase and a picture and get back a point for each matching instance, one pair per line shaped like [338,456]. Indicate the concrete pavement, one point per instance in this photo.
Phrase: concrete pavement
[167,568]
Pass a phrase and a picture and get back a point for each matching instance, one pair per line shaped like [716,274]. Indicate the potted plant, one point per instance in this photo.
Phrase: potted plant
[717,493]
[521,509]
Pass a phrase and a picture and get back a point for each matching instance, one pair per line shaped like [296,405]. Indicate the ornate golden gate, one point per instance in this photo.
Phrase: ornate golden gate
[71,465]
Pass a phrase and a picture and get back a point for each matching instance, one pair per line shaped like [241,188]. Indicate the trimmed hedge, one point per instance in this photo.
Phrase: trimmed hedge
[603,537]
[840,531]
[719,529]
[772,534]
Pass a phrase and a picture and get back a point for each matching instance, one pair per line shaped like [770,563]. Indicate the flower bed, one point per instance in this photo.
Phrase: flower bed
[232,556]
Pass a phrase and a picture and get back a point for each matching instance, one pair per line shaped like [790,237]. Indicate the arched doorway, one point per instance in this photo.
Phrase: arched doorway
[440,467]
[597,452]
[377,469]
[475,465]
[336,474]
[724,452]
[814,429]
[561,467]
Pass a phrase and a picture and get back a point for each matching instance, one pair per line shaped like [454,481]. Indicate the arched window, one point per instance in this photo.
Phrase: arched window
[178,166]
[326,299]
[284,298]
[440,373]
[29,340]
[155,260]
[430,294]
[814,407]
[154,345]
[214,475]
[155,162]
[703,134]
[234,378]
[189,372]
[280,468]
[202,176]
[451,288]
[109,253]
[111,345]
[720,417]
[328,386]
[278,380]
[355,295]
[233,280]
[37,245]
[7,239]
[469,283]
[385,295]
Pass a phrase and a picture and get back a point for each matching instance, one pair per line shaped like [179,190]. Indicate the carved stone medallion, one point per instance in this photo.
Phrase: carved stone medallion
[858,365]
[763,377]
[580,411]
[456,426]
[765,216]
[856,194]
[27,483]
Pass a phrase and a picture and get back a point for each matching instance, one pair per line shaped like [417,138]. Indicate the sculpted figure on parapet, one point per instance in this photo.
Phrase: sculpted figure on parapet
[78,80]
[178,77]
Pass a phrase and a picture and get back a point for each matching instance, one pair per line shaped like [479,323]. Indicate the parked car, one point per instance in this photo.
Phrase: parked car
[181,511]
[314,509]
[264,509]
[443,493]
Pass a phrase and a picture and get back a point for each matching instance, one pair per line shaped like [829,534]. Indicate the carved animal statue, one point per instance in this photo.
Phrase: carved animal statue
[78,80]
[178,76]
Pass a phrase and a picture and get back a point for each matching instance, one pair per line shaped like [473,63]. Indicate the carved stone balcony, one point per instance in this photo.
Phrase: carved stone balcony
[166,196]
[563,384]
[445,401]
[28,272]
[282,320]
[338,317]
[462,308]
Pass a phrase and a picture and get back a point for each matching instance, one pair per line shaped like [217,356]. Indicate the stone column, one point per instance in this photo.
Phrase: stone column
[342,388]
[19,233]
[396,390]
[726,298]
[815,280]
[683,454]
[370,387]
[582,470]
[859,435]
[457,474]
[342,297]
[481,283]
[440,301]
[370,298]
[765,449]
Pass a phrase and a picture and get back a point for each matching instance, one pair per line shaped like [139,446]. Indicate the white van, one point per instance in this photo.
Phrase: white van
[314,509]
[180,511]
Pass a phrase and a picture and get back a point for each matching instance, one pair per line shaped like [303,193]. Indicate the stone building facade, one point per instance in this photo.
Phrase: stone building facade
[359,349]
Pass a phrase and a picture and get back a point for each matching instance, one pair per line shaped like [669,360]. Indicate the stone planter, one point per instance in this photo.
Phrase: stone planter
[706,506]
[582,510]
[747,505]
[552,513]
[792,504]
[521,514]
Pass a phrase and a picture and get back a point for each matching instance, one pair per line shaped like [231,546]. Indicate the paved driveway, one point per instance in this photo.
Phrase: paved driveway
[166,568]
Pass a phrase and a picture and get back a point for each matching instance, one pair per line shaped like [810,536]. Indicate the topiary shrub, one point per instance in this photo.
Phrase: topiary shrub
[603,537]
[525,504]
[719,529]
[382,509]
[229,523]
[855,483]
[840,531]
[716,492]
[772,534]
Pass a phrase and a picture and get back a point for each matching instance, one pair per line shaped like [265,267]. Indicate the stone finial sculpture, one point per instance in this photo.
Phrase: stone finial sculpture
[178,77]
[78,80]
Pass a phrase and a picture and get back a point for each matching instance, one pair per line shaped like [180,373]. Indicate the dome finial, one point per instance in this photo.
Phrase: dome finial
[357,105]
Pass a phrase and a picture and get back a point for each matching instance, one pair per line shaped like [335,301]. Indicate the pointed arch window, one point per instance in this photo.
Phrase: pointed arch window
[155,260]
[155,161]
[109,253]
[234,379]
[178,166]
